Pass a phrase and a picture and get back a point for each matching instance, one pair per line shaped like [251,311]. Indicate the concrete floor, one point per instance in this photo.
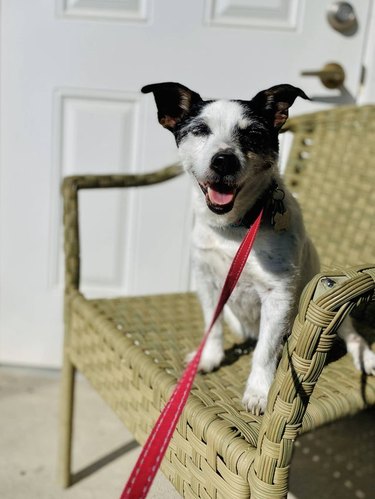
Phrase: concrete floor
[28,442]
[341,457]
[337,460]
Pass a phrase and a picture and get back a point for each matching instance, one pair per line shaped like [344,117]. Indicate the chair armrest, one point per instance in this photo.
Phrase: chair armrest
[70,188]
[324,304]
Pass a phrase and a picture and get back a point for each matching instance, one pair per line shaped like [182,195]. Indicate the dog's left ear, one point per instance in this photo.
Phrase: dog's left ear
[275,102]
[173,100]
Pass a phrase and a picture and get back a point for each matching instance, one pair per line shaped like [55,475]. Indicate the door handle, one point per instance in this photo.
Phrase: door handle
[332,75]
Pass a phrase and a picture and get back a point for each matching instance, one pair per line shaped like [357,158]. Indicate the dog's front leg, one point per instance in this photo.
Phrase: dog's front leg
[275,315]
[213,352]
[363,356]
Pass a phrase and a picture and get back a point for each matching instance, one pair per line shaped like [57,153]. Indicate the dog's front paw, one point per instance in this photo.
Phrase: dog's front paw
[257,388]
[254,401]
[369,362]
[364,360]
[211,358]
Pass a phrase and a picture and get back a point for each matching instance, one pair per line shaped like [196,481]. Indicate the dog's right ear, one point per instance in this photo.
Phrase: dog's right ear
[173,100]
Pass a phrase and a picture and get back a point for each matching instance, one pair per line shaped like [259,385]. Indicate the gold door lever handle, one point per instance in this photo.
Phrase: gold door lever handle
[332,75]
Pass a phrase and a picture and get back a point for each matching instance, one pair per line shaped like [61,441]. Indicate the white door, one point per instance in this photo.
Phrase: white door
[71,71]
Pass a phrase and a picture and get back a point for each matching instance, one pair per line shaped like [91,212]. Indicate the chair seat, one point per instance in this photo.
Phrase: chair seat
[132,351]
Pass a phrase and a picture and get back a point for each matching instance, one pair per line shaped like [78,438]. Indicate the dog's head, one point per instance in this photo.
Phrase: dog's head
[229,146]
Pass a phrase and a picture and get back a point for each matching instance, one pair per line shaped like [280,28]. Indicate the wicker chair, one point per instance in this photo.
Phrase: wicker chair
[132,349]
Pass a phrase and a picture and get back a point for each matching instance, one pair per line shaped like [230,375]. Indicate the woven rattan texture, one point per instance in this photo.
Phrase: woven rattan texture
[132,351]
[331,171]
[301,384]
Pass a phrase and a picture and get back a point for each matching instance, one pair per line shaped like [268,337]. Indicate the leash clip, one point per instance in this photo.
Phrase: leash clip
[279,215]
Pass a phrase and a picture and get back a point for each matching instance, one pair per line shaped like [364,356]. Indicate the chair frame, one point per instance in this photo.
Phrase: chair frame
[325,302]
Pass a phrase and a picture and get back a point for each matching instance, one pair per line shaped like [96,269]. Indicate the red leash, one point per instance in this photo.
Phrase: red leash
[154,449]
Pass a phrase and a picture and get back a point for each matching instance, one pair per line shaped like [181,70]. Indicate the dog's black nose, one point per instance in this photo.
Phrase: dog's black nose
[225,163]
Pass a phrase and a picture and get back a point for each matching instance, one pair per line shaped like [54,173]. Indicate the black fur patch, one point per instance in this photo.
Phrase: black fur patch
[192,124]
[199,128]
[260,137]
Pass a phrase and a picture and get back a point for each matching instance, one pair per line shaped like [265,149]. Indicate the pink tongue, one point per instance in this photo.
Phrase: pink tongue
[220,197]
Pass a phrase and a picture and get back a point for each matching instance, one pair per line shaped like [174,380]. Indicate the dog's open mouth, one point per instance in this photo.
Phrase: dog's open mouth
[219,197]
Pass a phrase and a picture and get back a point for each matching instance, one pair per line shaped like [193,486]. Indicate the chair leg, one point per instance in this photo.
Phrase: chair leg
[66,421]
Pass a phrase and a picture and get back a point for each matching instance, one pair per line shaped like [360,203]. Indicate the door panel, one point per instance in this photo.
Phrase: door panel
[70,103]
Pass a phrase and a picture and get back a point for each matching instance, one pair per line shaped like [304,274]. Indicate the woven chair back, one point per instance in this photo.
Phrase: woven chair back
[331,171]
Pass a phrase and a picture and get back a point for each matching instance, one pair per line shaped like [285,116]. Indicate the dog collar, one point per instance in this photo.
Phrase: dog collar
[272,200]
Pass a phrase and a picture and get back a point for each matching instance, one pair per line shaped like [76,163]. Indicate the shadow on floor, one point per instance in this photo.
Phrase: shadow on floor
[337,460]
[103,461]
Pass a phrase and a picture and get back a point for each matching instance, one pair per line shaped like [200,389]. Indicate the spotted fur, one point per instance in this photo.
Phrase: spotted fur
[230,149]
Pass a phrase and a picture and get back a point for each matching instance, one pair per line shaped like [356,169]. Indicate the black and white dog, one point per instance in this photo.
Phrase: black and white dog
[230,148]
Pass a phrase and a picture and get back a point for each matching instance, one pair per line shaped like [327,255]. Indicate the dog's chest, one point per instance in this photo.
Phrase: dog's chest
[214,253]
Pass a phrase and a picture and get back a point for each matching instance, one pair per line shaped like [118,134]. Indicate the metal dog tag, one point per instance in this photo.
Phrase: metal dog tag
[281,221]
[280,216]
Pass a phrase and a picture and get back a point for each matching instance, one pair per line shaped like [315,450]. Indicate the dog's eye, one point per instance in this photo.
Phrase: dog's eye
[251,132]
[200,129]
[253,140]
